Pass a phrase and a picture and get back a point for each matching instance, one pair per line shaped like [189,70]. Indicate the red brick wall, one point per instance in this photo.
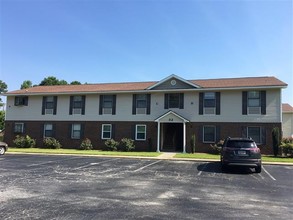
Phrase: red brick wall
[93,130]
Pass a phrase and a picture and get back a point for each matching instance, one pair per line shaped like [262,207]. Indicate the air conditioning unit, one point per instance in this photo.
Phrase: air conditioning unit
[107,111]
[141,111]
[76,111]
[49,111]
[253,110]
[210,111]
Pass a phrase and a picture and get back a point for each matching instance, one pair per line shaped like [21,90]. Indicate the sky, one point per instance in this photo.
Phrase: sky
[101,41]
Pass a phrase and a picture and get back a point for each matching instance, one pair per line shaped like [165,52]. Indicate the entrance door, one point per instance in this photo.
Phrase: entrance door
[172,136]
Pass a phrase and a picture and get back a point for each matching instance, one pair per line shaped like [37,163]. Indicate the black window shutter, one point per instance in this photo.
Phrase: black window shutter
[244,131]
[82,127]
[200,104]
[54,130]
[133,131]
[55,105]
[101,104]
[24,127]
[134,104]
[218,103]
[71,105]
[148,104]
[244,103]
[166,101]
[70,130]
[263,102]
[26,100]
[44,104]
[113,131]
[263,135]
[83,105]
[114,105]
[218,133]
[42,129]
[181,100]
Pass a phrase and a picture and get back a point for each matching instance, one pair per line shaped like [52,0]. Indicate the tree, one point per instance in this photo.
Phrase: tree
[75,83]
[276,140]
[52,81]
[2,119]
[26,84]
[3,89]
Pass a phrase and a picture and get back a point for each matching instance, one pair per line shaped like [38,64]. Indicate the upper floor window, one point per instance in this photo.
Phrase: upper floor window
[141,104]
[49,105]
[18,128]
[77,105]
[174,100]
[21,100]
[209,103]
[253,102]
[107,104]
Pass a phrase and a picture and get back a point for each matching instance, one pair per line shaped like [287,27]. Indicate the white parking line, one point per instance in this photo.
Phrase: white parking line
[202,169]
[141,168]
[93,164]
[268,174]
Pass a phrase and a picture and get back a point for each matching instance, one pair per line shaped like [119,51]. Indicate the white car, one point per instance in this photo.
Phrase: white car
[3,148]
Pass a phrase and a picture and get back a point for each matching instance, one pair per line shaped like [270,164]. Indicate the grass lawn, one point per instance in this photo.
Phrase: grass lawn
[265,158]
[82,152]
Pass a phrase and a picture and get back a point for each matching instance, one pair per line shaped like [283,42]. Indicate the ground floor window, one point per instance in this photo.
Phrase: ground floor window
[19,128]
[106,131]
[254,133]
[140,132]
[209,134]
[48,130]
[76,131]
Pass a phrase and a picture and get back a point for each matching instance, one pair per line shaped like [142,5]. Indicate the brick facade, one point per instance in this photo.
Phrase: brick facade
[93,131]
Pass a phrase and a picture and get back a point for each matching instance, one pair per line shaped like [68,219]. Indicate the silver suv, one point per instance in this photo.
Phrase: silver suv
[240,152]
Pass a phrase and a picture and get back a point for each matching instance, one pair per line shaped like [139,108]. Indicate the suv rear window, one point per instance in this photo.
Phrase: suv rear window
[240,144]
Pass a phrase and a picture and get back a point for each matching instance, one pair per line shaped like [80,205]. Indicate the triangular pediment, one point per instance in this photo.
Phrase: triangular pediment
[173,82]
[171,117]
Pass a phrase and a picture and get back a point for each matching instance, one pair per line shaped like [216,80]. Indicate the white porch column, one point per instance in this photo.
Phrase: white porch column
[184,137]
[158,138]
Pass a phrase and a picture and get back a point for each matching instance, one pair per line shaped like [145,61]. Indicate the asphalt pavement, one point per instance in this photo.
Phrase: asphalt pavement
[76,187]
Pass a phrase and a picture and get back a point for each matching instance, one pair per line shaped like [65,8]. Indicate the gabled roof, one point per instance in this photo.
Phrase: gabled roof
[226,83]
[287,108]
[172,114]
[175,77]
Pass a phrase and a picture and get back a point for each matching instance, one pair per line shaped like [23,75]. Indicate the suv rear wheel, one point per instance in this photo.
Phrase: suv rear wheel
[258,169]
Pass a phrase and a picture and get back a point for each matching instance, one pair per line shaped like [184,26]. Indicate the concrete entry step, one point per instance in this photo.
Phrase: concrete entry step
[167,155]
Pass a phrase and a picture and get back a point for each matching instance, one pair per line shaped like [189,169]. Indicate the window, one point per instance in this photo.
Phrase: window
[253,99]
[209,103]
[174,100]
[141,104]
[140,132]
[106,131]
[49,105]
[48,130]
[19,128]
[253,102]
[76,131]
[108,104]
[21,100]
[254,133]
[209,134]
[77,105]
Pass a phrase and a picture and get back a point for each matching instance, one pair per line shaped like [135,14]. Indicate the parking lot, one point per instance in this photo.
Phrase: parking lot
[76,187]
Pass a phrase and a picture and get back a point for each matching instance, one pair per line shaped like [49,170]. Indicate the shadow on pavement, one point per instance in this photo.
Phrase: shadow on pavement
[215,167]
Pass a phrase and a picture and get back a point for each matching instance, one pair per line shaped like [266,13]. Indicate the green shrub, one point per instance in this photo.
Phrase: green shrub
[192,143]
[216,148]
[127,144]
[111,144]
[276,140]
[24,141]
[286,147]
[51,143]
[86,144]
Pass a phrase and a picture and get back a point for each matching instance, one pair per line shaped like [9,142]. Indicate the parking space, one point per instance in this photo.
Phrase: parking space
[76,187]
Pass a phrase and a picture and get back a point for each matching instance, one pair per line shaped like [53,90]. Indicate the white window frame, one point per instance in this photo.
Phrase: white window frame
[247,134]
[203,133]
[136,132]
[73,131]
[45,125]
[103,131]
[21,126]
